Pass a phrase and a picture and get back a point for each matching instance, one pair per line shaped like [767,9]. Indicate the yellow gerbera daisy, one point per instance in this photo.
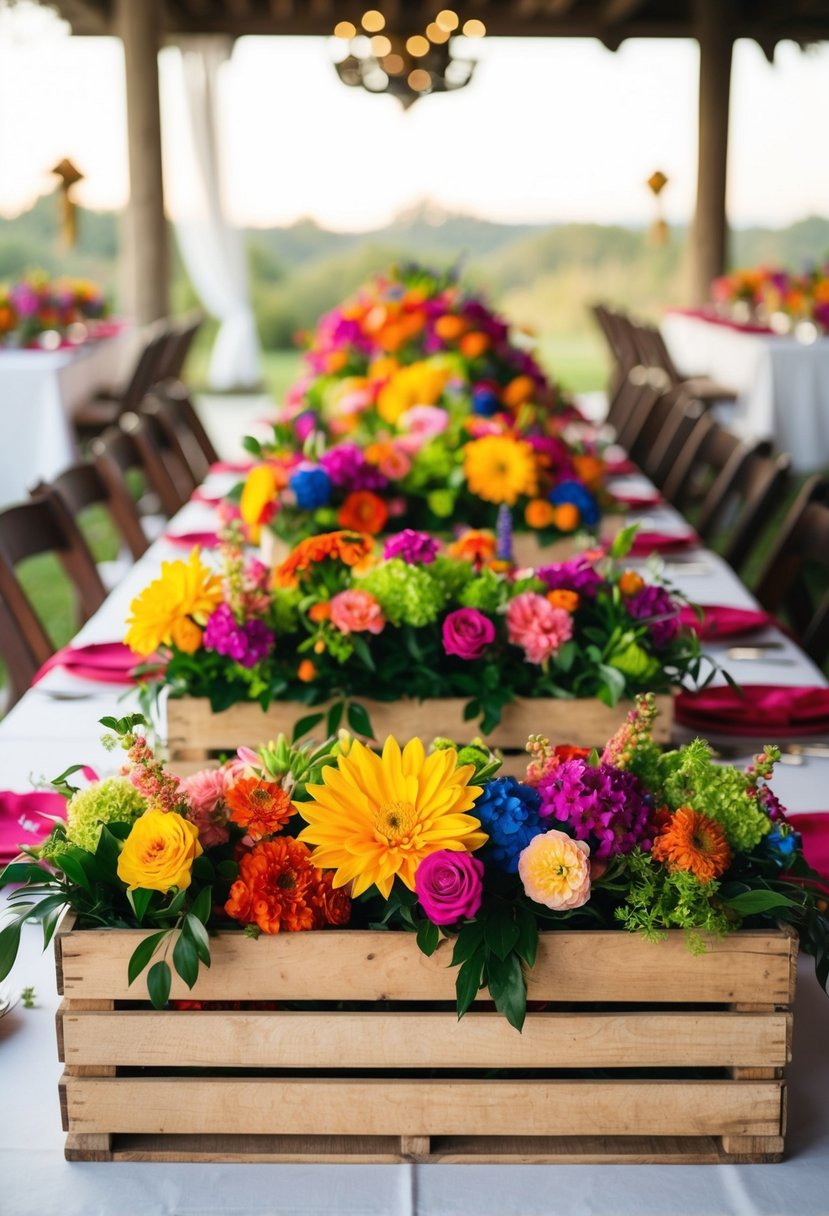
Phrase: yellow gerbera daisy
[416,384]
[258,494]
[379,816]
[165,611]
[500,469]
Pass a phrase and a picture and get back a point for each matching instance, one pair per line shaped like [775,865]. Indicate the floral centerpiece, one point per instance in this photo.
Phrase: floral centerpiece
[36,304]
[288,839]
[419,407]
[782,297]
[338,621]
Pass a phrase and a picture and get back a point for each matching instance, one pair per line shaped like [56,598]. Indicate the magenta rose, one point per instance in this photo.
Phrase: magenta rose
[467,633]
[449,886]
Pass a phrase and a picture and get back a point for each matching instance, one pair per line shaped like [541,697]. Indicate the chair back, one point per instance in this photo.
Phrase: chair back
[182,428]
[87,485]
[183,333]
[740,504]
[165,463]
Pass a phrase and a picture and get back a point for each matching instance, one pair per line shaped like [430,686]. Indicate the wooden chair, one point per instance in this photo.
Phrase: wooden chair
[658,357]
[670,442]
[795,578]
[184,332]
[87,485]
[105,409]
[170,404]
[711,453]
[163,454]
[740,504]
[43,525]
[120,453]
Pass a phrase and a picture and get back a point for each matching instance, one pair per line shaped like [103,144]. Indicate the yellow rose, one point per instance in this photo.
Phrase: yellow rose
[159,852]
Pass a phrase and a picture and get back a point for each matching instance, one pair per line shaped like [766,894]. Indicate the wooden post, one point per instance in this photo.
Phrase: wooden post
[145,239]
[710,233]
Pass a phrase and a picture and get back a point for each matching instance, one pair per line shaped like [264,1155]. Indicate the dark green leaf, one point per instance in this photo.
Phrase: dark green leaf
[202,904]
[470,938]
[158,984]
[468,982]
[227,870]
[197,932]
[508,989]
[62,785]
[21,871]
[106,855]
[73,868]
[140,900]
[142,954]
[527,945]
[471,710]
[9,943]
[500,930]
[335,717]
[752,903]
[428,936]
[186,959]
[251,444]
[359,720]
[362,651]
[50,922]
[304,725]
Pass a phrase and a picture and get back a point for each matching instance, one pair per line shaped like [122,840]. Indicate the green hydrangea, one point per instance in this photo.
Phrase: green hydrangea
[441,503]
[113,800]
[407,595]
[658,900]
[486,592]
[450,575]
[284,615]
[432,464]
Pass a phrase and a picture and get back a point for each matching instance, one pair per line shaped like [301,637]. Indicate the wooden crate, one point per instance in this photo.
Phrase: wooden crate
[645,1053]
[195,734]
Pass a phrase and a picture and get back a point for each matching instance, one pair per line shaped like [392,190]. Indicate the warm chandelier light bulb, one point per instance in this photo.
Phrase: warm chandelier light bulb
[448,20]
[373,21]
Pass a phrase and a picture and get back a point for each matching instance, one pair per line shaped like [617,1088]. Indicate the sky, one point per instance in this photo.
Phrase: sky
[549,130]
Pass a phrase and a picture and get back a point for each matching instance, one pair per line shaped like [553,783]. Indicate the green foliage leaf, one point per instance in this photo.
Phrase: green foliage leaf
[21,871]
[196,931]
[61,784]
[306,724]
[251,444]
[140,900]
[159,980]
[508,988]
[9,945]
[359,721]
[501,933]
[142,954]
[428,937]
[186,959]
[468,981]
[526,946]
[74,869]
[470,938]
[335,717]
[362,651]
[203,903]
[623,542]
[753,903]
[227,870]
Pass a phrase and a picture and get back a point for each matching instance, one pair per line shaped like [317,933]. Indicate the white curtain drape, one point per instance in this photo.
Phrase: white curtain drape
[211,248]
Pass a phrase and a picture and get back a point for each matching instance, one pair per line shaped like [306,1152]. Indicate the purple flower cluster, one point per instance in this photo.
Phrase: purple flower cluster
[348,468]
[247,644]
[607,807]
[655,606]
[577,574]
[416,548]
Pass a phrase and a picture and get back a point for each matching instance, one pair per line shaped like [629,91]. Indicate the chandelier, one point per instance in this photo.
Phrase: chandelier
[385,57]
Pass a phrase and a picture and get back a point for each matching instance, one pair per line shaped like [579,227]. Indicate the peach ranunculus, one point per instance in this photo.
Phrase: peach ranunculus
[555,871]
[538,627]
[159,852]
[205,792]
[357,612]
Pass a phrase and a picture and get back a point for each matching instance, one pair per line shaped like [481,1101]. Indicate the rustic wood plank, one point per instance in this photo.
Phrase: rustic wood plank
[88,1146]
[143,1038]
[361,965]
[422,1108]
[752,1148]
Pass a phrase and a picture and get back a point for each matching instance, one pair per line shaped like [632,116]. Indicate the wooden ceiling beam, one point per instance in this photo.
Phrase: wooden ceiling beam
[614,12]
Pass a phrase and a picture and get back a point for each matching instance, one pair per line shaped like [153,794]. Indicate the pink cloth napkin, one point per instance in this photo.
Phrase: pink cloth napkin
[207,500]
[105,662]
[620,468]
[639,502]
[722,621]
[186,540]
[232,466]
[814,828]
[768,710]
[645,543]
[23,819]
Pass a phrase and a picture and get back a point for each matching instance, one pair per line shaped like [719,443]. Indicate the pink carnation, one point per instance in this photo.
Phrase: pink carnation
[420,424]
[357,612]
[537,627]
[205,792]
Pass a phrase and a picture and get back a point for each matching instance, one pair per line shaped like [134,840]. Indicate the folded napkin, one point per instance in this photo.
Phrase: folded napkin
[207,500]
[756,709]
[622,467]
[232,466]
[814,828]
[105,662]
[645,543]
[638,502]
[23,819]
[186,540]
[722,621]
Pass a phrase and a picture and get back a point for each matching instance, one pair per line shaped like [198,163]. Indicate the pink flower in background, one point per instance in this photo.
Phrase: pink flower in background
[357,612]
[449,886]
[420,424]
[205,791]
[537,627]
[395,464]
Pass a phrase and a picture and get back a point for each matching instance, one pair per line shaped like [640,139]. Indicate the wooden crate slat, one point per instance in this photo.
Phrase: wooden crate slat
[361,965]
[327,1106]
[141,1038]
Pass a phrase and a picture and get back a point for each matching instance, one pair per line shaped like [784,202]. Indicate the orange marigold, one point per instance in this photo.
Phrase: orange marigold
[347,547]
[473,546]
[563,598]
[695,843]
[331,906]
[260,807]
[277,887]
[363,511]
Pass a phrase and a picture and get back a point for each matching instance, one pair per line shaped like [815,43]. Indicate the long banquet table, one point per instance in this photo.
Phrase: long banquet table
[55,725]
[782,385]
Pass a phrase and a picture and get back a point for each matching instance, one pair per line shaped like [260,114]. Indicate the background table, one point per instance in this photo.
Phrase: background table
[39,390]
[782,385]
[55,724]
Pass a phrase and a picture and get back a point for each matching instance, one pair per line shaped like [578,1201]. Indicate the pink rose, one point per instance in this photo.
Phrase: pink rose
[449,886]
[357,612]
[205,792]
[420,424]
[536,626]
[467,633]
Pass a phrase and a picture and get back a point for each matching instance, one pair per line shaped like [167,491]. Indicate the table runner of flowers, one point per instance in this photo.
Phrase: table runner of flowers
[36,304]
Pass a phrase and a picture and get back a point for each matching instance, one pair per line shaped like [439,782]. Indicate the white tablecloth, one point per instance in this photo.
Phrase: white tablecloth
[782,385]
[45,733]
[39,390]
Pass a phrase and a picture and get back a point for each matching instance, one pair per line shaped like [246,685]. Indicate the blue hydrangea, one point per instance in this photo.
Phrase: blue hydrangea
[485,401]
[312,488]
[782,842]
[579,495]
[508,812]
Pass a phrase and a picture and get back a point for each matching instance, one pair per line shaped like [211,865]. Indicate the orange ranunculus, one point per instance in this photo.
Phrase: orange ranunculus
[320,611]
[590,469]
[450,327]
[382,368]
[348,547]
[363,511]
[562,598]
[630,583]
[539,513]
[474,344]
[473,546]
[306,671]
[518,392]
[278,888]
[260,807]
[567,517]
[335,361]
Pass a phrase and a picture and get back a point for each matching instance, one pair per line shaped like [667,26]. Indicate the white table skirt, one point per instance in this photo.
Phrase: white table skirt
[42,735]
[39,391]
[782,385]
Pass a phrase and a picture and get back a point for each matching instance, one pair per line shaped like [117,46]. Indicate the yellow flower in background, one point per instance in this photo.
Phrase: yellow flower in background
[258,495]
[500,469]
[418,384]
[377,817]
[159,852]
[165,611]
